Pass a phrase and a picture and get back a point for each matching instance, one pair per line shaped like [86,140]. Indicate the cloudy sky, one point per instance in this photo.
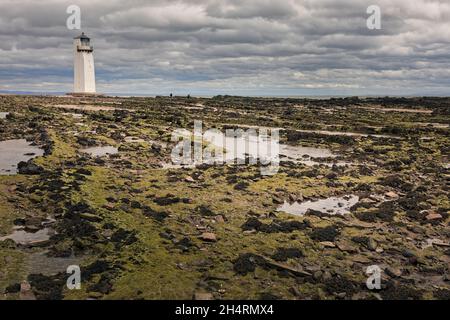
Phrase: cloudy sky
[243,47]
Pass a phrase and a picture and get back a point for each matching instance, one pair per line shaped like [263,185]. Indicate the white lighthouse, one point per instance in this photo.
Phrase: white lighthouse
[84,71]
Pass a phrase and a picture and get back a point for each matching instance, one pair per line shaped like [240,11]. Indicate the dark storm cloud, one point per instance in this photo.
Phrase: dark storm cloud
[243,47]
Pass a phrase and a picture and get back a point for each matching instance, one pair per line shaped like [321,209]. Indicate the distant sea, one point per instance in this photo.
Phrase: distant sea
[37,93]
[55,94]
[34,93]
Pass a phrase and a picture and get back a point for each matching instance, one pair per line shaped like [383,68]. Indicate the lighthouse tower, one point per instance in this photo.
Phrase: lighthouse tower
[84,72]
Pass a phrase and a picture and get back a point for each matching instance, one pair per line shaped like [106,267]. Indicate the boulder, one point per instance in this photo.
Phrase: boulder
[29,168]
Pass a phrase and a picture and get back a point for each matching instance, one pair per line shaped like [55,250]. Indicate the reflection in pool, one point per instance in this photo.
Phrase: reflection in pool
[331,206]
[14,151]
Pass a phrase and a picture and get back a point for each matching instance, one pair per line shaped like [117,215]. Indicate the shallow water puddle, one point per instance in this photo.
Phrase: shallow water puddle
[100,151]
[298,152]
[261,147]
[382,109]
[193,107]
[14,151]
[41,263]
[168,166]
[323,132]
[74,115]
[253,147]
[23,237]
[331,206]
[3,115]
[86,107]
[349,134]
[309,156]
[311,163]
[229,148]
[436,125]
[241,147]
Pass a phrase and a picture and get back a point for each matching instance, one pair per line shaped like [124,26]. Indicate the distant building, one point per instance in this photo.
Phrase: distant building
[84,71]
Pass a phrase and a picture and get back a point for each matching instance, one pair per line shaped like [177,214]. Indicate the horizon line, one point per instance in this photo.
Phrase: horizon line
[153,95]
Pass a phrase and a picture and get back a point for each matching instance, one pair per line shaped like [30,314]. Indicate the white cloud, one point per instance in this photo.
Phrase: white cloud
[212,46]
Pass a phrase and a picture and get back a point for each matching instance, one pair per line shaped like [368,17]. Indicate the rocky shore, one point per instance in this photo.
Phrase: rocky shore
[363,182]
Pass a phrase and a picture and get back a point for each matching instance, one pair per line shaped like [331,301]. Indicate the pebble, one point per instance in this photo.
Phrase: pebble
[25,291]
[328,244]
[433,216]
[203,296]
[391,194]
[189,179]
[208,236]
[372,244]
[317,275]
[346,248]
[393,272]
[379,250]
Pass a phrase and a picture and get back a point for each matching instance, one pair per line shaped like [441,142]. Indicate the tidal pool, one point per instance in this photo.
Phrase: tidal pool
[74,115]
[331,206]
[86,107]
[299,152]
[310,156]
[23,237]
[382,109]
[100,151]
[349,134]
[238,147]
[39,262]
[229,149]
[14,151]
[322,132]
[263,148]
